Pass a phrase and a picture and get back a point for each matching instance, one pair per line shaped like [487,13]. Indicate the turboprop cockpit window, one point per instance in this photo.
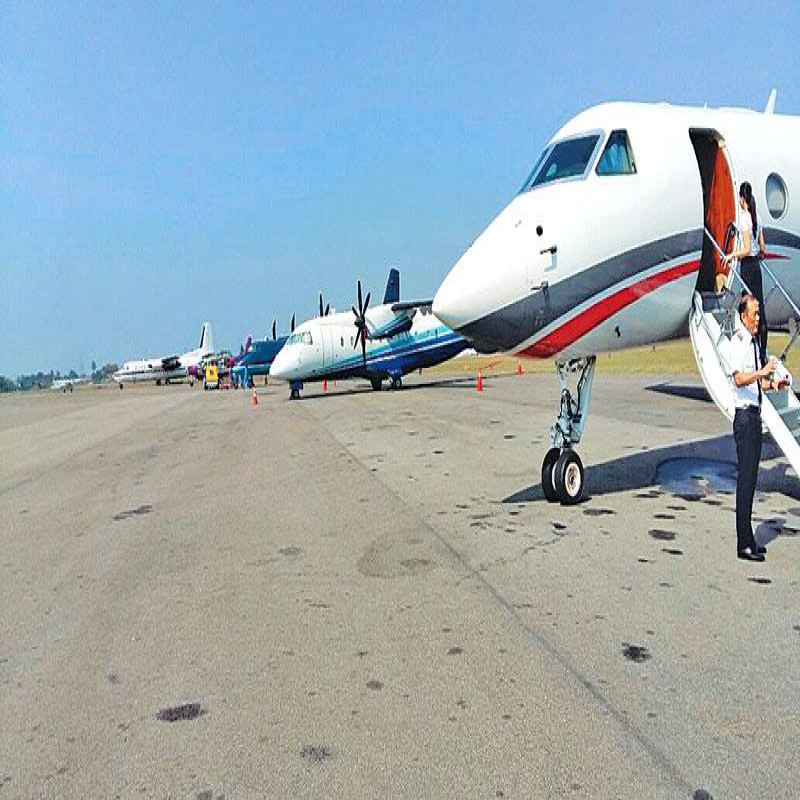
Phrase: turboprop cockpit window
[567,159]
[305,338]
[617,158]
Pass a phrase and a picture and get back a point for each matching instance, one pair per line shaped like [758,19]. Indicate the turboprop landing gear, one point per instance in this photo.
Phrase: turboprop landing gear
[397,382]
[562,470]
[377,383]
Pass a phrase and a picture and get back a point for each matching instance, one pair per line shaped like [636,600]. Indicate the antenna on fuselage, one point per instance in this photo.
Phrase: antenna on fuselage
[770,108]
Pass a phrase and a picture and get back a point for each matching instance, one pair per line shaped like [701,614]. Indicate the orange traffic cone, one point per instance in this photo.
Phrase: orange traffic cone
[479,387]
[255,397]
[519,366]
[324,384]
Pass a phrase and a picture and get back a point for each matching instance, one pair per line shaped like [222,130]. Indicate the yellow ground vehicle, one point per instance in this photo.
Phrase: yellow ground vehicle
[211,377]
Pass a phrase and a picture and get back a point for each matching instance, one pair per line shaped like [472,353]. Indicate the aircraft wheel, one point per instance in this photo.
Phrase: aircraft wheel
[158,382]
[397,383]
[294,395]
[548,486]
[568,474]
[121,386]
[377,383]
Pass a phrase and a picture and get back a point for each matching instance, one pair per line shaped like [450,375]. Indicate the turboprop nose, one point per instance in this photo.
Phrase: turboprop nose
[286,365]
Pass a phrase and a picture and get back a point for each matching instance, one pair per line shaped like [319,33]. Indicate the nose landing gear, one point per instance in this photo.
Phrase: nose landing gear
[562,470]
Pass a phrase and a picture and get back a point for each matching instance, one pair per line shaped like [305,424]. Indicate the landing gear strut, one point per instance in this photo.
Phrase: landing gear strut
[562,470]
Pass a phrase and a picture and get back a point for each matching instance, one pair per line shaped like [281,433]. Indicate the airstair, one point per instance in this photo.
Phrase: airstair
[712,323]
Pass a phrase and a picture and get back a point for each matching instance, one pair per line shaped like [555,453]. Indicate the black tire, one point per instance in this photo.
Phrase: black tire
[548,487]
[397,383]
[568,477]
[377,384]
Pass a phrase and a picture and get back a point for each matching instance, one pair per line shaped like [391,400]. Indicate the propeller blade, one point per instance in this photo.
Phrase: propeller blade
[274,329]
[358,333]
[320,305]
[292,331]
[360,304]
[355,314]
[366,305]
[364,346]
[327,309]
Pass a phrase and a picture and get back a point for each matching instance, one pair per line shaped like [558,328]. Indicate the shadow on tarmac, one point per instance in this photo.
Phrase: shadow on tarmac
[689,471]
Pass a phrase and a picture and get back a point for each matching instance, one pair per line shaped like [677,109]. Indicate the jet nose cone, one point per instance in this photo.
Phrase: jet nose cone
[460,299]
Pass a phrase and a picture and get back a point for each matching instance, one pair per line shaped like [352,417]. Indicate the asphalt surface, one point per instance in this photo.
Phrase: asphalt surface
[366,595]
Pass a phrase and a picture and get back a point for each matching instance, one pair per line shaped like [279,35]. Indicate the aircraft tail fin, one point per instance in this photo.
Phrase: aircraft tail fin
[392,294]
[773,96]
[206,339]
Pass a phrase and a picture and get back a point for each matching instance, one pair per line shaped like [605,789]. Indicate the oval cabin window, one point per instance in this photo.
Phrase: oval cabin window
[776,196]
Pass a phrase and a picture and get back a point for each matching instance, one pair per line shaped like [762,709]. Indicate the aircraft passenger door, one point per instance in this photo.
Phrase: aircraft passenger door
[327,347]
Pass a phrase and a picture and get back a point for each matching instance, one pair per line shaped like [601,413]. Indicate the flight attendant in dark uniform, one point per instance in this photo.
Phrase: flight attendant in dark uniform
[749,381]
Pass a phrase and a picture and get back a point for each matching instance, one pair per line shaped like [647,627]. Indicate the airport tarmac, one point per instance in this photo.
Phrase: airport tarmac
[365,595]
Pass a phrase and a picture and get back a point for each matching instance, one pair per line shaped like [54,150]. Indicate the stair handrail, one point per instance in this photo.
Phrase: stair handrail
[780,288]
[722,254]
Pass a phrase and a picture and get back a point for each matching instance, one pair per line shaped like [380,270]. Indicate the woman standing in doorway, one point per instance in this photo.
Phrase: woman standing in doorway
[751,247]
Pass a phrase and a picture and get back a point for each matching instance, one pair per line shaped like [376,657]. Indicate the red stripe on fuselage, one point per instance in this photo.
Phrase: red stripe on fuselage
[580,325]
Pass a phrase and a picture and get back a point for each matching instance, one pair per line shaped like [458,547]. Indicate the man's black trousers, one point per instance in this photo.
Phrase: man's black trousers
[747,435]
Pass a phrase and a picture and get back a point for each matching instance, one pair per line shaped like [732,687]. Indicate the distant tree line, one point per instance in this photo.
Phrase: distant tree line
[44,380]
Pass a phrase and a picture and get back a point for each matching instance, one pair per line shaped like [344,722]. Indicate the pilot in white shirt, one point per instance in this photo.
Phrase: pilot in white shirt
[749,381]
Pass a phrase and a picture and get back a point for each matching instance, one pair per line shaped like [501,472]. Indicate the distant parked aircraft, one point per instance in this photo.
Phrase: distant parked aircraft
[258,356]
[66,384]
[169,368]
[395,338]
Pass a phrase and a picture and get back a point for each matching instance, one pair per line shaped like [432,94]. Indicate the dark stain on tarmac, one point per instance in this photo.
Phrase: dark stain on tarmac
[662,536]
[112,678]
[133,512]
[455,651]
[649,495]
[677,508]
[292,550]
[181,713]
[508,436]
[702,794]
[315,753]
[671,551]
[598,512]
[438,452]
[762,581]
[374,685]
[663,516]
[635,652]
[644,560]
[559,526]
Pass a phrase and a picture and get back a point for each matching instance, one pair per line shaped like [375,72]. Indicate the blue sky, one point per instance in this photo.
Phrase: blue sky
[163,163]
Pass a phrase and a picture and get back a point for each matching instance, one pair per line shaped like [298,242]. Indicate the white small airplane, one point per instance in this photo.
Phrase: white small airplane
[67,384]
[396,338]
[615,235]
[169,368]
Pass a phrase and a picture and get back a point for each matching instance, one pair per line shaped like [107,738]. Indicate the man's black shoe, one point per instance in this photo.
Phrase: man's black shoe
[760,548]
[750,554]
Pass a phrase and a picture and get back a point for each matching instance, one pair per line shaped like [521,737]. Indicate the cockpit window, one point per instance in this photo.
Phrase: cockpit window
[529,179]
[567,159]
[301,337]
[617,158]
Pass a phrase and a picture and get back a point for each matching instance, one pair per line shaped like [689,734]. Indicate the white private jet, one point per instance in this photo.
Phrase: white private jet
[396,338]
[169,368]
[615,241]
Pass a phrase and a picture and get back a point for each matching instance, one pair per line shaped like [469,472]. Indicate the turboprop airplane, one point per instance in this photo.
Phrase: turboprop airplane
[614,241]
[396,338]
[258,356]
[167,369]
